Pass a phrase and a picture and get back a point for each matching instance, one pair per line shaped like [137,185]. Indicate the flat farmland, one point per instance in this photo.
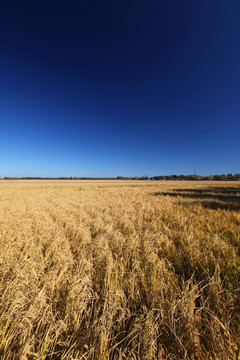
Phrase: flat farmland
[119,270]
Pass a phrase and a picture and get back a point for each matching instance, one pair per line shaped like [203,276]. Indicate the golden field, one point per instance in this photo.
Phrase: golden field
[119,270]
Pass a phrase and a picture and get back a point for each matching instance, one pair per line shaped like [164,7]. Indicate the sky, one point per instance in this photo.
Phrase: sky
[119,88]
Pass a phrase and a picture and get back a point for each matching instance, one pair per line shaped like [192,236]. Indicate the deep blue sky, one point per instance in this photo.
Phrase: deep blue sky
[130,87]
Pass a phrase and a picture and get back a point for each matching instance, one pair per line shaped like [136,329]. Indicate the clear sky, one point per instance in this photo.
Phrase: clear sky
[111,88]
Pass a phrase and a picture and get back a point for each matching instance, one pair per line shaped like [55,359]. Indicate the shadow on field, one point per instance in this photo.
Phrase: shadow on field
[225,198]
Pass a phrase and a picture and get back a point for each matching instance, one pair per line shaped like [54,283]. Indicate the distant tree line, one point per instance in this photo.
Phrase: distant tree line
[221,177]
[217,177]
[57,178]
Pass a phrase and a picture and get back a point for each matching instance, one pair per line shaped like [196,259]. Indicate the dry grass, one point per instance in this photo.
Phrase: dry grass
[119,270]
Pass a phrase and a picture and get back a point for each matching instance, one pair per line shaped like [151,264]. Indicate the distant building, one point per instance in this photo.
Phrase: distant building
[144,178]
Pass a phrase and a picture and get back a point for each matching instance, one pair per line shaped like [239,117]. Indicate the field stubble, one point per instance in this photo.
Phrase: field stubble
[119,270]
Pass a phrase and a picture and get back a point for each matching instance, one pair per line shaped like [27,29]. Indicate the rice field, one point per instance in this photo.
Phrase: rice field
[119,270]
